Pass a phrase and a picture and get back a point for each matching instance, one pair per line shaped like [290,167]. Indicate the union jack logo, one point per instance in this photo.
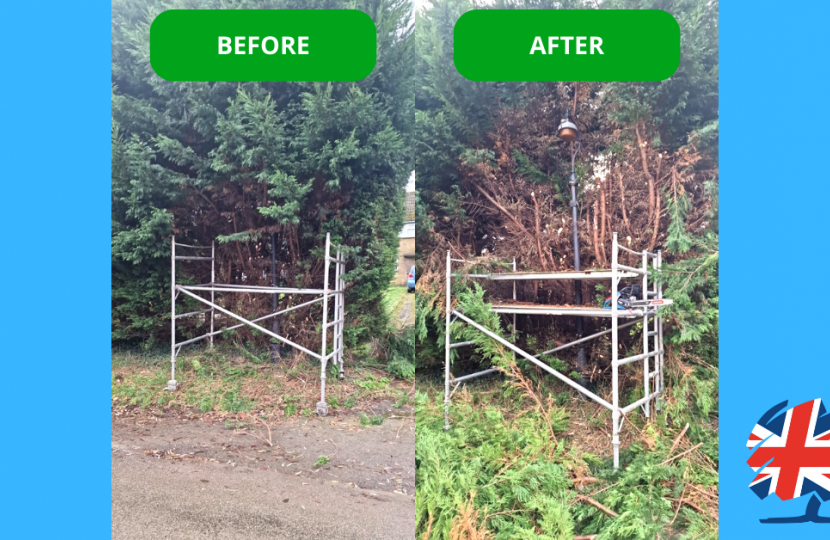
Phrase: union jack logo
[793,452]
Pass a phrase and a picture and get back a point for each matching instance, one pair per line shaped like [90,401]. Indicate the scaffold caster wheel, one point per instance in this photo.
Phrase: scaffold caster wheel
[172,385]
[322,408]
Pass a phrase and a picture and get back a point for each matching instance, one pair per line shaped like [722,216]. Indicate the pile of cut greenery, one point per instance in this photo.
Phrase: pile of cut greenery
[527,458]
[500,474]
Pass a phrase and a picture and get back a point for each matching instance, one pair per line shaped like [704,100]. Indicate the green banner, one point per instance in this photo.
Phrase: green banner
[566,45]
[263,45]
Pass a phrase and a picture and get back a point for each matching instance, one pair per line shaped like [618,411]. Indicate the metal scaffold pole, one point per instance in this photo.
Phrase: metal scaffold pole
[276,350]
[322,406]
[514,315]
[615,399]
[447,346]
[341,285]
[172,384]
[644,292]
[212,293]
[337,299]
[659,329]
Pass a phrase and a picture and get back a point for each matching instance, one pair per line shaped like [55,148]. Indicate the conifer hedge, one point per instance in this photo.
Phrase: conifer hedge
[237,162]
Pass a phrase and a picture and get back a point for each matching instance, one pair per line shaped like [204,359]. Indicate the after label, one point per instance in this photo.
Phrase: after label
[581,44]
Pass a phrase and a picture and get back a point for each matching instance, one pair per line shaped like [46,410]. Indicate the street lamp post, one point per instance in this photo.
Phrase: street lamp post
[569,133]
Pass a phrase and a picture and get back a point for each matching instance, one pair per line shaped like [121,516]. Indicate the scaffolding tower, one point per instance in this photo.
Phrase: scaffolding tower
[644,310]
[323,295]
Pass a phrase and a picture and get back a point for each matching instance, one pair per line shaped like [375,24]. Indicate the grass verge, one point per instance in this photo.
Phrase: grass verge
[232,381]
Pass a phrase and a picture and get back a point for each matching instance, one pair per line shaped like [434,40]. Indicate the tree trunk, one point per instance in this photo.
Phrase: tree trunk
[603,222]
[641,145]
[624,211]
[542,255]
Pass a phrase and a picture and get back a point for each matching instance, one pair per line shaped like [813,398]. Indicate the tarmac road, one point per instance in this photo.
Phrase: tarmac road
[163,488]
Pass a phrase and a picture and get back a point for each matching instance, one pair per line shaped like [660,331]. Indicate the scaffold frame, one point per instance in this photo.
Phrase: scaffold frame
[322,295]
[647,312]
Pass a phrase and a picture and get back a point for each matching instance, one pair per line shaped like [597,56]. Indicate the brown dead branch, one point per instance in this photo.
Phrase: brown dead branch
[595,232]
[584,480]
[690,450]
[677,439]
[696,507]
[465,524]
[542,255]
[641,145]
[702,492]
[500,207]
[622,206]
[526,386]
[596,504]
[269,440]
[603,222]
[656,227]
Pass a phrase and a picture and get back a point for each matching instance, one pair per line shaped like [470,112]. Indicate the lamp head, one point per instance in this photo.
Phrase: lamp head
[567,130]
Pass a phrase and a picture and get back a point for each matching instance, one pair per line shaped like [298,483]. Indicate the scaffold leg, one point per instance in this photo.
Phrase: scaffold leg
[447,346]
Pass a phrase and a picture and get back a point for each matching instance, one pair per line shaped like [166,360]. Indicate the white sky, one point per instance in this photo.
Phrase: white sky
[421,3]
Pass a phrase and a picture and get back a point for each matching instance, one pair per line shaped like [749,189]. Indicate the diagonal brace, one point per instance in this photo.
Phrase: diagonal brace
[249,323]
[534,360]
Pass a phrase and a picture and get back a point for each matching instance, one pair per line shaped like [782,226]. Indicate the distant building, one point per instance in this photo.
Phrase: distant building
[406,238]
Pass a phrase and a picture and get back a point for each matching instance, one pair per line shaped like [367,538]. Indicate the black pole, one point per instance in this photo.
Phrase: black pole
[581,359]
[276,350]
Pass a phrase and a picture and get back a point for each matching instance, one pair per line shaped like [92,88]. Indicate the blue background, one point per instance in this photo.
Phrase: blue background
[774,209]
[55,452]
[55,265]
